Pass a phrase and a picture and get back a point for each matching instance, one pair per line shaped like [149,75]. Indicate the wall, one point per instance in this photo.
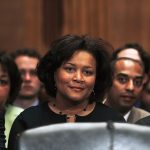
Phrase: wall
[35,23]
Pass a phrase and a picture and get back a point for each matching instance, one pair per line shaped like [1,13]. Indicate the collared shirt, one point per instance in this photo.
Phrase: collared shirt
[126,116]
[35,103]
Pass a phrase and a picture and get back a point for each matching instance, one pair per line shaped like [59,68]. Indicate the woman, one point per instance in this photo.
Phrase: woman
[76,75]
[10,82]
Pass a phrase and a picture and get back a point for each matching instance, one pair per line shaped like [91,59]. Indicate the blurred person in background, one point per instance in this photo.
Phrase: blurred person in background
[27,60]
[10,83]
[144,98]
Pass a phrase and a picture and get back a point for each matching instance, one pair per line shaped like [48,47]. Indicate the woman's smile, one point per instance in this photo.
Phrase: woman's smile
[75,79]
[77,88]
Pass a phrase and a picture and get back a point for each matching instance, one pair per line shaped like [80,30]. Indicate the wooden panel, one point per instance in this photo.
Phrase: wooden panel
[35,23]
[118,21]
[74,17]
[11,23]
[52,20]
[82,17]
[33,27]
[21,24]
[128,21]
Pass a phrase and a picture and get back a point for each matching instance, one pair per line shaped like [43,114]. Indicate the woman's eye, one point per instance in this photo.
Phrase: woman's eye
[4,82]
[69,69]
[88,72]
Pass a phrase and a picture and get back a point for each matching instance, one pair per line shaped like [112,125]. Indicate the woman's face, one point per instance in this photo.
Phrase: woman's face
[76,77]
[4,87]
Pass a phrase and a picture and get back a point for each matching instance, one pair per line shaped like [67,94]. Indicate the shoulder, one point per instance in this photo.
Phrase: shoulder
[144,121]
[31,117]
[102,107]
[11,109]
[108,113]
[32,114]
[31,111]
[140,111]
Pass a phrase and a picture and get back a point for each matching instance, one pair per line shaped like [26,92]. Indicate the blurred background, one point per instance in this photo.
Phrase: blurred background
[35,23]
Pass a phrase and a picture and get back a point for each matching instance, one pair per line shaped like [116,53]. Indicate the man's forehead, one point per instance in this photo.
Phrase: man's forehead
[129,53]
[29,62]
[128,64]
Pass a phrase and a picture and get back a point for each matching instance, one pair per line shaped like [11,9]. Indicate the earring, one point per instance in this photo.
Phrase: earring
[93,92]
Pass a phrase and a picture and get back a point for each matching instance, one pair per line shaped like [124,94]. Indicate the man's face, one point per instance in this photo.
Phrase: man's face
[31,84]
[127,84]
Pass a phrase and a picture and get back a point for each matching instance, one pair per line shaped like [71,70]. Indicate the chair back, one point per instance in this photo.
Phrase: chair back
[87,136]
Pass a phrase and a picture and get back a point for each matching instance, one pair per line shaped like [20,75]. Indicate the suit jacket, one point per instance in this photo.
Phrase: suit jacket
[137,114]
[144,121]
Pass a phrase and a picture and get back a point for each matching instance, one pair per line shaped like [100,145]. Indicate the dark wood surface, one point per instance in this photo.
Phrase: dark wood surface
[35,23]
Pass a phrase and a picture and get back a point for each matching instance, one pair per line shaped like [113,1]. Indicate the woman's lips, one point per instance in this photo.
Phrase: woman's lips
[78,89]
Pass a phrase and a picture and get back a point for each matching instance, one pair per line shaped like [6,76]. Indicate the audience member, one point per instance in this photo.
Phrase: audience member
[76,74]
[10,82]
[144,98]
[137,52]
[145,103]
[130,67]
[27,60]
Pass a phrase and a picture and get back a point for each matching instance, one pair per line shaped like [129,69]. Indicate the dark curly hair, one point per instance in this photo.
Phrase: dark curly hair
[8,64]
[63,49]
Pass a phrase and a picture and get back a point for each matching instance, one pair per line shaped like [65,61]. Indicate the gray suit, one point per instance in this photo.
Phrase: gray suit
[137,114]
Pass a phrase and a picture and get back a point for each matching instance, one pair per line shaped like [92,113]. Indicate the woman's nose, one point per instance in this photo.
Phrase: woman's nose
[78,76]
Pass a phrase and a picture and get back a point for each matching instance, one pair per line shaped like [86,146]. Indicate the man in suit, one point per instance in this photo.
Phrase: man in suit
[129,75]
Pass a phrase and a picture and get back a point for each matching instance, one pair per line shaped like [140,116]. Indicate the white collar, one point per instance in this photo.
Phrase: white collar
[36,102]
[126,116]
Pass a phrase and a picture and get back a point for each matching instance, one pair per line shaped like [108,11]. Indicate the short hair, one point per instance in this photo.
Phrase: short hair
[8,64]
[141,51]
[63,49]
[26,52]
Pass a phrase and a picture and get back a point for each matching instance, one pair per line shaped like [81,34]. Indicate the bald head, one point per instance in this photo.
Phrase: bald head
[130,53]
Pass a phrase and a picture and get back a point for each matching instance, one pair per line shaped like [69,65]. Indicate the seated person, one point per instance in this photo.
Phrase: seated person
[10,82]
[27,60]
[129,76]
[76,74]
[144,98]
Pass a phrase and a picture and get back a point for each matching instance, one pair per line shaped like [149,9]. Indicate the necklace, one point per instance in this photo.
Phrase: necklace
[71,116]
